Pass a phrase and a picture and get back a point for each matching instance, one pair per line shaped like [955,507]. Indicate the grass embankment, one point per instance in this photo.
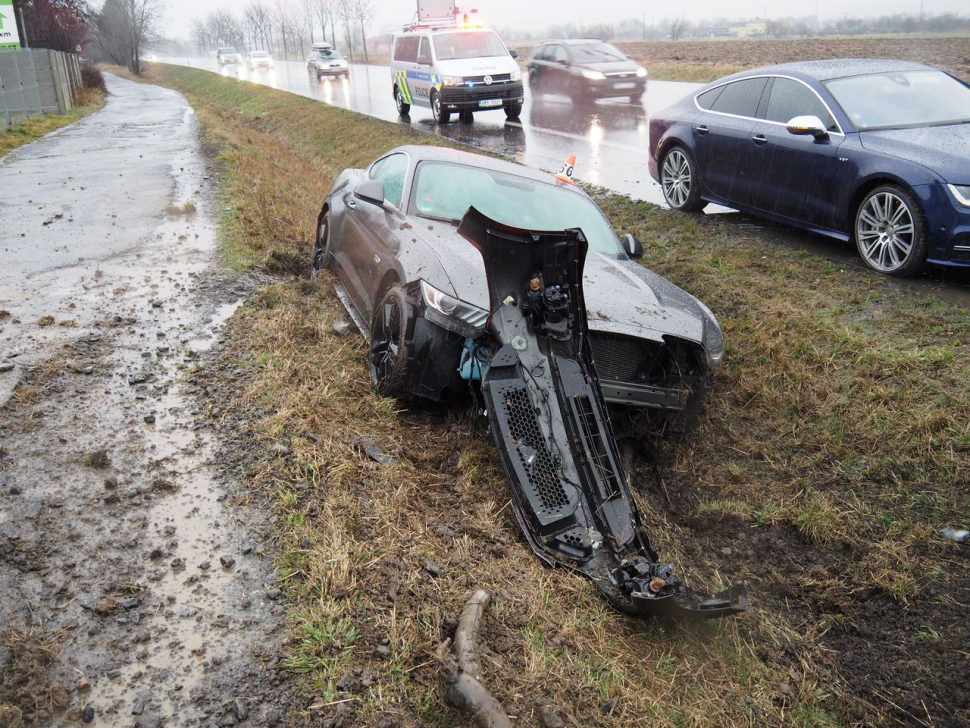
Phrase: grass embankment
[835,443]
[88,101]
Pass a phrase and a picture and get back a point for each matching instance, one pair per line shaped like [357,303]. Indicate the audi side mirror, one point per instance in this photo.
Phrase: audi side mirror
[514,53]
[809,125]
[371,191]
[632,246]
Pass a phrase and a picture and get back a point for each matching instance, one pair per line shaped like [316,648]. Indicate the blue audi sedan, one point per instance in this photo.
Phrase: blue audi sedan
[867,150]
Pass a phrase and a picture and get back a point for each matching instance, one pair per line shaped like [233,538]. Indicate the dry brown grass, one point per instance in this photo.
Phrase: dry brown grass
[28,694]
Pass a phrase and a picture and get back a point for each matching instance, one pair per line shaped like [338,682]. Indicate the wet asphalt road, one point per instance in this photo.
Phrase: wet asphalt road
[609,138]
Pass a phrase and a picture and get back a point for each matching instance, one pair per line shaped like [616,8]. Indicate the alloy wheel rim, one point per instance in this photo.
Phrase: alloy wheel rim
[886,231]
[385,349]
[437,107]
[321,247]
[676,178]
[400,102]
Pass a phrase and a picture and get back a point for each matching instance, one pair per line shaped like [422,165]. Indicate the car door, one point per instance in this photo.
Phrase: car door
[797,176]
[722,136]
[370,240]
[556,79]
[405,66]
[420,79]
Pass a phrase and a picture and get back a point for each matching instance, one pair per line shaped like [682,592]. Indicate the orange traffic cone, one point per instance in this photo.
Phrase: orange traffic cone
[565,173]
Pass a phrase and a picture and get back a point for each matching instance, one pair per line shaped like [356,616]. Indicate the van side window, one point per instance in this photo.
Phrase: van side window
[424,54]
[391,170]
[406,49]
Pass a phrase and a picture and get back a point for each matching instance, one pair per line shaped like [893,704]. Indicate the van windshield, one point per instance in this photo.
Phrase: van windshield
[445,191]
[454,46]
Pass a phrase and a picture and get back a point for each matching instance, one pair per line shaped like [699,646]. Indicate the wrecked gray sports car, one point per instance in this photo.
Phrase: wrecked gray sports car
[506,306]
[390,235]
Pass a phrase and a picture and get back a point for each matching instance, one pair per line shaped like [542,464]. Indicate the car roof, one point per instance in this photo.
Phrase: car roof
[837,68]
[575,41]
[425,153]
[439,29]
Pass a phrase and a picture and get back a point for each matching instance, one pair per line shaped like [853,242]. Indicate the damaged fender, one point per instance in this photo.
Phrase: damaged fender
[548,418]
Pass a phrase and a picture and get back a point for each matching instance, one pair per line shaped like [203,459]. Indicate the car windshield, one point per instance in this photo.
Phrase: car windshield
[329,55]
[596,53]
[899,100]
[451,46]
[445,191]
[225,50]
[259,54]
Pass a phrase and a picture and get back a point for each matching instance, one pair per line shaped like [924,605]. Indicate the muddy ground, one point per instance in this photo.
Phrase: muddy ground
[133,591]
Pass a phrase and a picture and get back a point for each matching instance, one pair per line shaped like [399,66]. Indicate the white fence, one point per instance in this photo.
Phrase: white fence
[36,81]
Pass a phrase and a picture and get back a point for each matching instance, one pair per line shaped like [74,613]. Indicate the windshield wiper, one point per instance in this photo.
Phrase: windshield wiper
[449,220]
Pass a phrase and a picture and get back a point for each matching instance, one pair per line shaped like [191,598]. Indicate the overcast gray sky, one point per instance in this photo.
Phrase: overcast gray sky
[541,13]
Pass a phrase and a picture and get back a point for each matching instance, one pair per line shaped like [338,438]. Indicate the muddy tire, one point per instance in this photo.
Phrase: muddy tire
[440,116]
[389,350]
[890,233]
[322,250]
[679,180]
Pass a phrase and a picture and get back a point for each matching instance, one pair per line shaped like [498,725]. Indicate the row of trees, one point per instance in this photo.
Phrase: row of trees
[286,27]
[644,28]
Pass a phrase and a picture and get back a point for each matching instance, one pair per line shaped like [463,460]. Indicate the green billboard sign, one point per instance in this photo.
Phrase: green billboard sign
[9,36]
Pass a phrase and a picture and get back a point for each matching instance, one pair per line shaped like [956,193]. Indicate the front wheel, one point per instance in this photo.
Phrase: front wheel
[322,250]
[389,348]
[889,232]
[440,116]
[403,107]
[678,178]
[512,111]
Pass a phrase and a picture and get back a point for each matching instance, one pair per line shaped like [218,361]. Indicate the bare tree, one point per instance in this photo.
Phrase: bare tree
[363,12]
[677,28]
[125,27]
[280,13]
[325,10]
[345,9]
[259,23]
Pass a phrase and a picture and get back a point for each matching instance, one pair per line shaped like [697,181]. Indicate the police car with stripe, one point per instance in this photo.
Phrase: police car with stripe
[447,62]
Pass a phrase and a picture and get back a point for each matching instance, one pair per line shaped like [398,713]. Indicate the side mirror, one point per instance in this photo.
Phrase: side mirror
[807,125]
[371,191]
[562,62]
[632,246]
[514,53]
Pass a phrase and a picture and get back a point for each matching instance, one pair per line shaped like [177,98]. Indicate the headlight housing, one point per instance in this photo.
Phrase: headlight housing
[642,72]
[452,80]
[713,337]
[961,193]
[515,76]
[452,314]
[593,75]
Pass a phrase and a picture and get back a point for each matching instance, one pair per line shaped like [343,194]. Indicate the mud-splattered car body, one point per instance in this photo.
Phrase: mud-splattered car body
[655,346]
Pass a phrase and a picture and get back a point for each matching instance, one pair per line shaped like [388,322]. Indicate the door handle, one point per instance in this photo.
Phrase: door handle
[759,139]
[701,130]
[352,203]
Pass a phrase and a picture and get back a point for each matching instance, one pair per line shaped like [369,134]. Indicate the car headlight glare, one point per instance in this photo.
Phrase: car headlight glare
[452,80]
[451,313]
[593,75]
[642,72]
[515,76]
[962,193]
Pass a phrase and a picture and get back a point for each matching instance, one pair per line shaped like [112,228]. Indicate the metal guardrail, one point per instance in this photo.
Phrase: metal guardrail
[36,81]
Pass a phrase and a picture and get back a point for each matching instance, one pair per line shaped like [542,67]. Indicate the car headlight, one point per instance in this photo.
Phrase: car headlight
[713,338]
[962,193]
[642,72]
[450,313]
[515,76]
[452,80]
[593,75]
[343,64]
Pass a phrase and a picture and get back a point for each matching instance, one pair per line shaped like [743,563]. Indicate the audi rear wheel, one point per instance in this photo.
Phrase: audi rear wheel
[678,178]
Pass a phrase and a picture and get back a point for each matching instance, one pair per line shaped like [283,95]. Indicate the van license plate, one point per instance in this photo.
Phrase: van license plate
[624,85]
[488,103]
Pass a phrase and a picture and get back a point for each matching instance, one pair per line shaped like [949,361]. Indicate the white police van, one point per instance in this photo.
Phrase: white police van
[447,62]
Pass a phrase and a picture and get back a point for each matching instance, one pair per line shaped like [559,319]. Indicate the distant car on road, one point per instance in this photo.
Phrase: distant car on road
[418,288]
[227,55]
[867,150]
[259,59]
[585,69]
[326,61]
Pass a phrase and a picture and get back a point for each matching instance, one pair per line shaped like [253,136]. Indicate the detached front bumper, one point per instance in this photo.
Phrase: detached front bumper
[481,97]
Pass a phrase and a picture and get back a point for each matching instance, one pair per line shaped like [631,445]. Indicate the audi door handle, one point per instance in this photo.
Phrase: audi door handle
[701,130]
[351,203]
[759,139]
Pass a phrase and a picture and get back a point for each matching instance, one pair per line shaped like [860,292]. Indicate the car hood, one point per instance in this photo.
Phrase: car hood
[477,66]
[621,297]
[611,66]
[941,149]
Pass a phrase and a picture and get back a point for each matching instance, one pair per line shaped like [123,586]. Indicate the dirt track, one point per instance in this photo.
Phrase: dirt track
[950,54]
[131,590]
